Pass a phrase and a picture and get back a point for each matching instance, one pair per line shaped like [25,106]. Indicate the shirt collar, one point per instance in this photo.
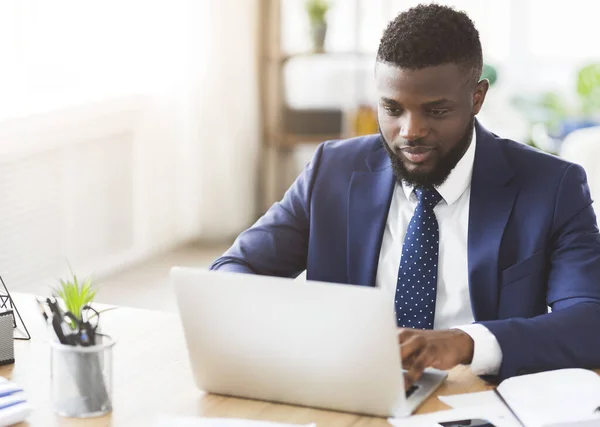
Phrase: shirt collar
[458,180]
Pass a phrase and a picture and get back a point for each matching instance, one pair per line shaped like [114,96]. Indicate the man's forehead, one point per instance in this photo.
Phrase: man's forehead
[440,81]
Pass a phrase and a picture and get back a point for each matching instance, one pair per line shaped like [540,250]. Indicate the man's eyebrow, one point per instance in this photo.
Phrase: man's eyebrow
[439,103]
[389,101]
[442,102]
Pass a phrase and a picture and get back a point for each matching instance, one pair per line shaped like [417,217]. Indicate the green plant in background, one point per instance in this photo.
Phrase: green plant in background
[75,294]
[556,114]
[588,88]
[548,108]
[489,72]
[317,9]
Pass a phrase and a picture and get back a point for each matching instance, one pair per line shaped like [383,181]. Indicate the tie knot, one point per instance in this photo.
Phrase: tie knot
[428,196]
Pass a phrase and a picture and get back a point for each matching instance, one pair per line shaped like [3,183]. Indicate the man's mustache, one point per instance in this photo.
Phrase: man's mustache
[413,144]
[404,144]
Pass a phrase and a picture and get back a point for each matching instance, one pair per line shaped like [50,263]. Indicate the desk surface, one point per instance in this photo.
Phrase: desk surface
[151,379]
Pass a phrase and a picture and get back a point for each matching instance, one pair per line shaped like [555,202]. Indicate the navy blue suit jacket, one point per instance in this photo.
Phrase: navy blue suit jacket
[533,242]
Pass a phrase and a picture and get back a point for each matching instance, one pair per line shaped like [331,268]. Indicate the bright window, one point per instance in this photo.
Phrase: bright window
[59,52]
[564,30]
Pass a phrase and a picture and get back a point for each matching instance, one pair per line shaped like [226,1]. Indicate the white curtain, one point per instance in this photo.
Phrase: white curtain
[127,127]
[194,63]
[213,115]
[230,119]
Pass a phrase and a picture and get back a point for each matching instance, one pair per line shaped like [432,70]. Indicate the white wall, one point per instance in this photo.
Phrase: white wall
[96,186]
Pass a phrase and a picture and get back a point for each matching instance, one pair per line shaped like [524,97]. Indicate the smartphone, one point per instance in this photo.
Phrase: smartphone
[468,423]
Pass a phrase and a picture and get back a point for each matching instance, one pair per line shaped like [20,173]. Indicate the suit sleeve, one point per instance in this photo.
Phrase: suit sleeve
[568,336]
[277,244]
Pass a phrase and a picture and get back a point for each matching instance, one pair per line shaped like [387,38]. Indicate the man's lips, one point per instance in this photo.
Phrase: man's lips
[417,154]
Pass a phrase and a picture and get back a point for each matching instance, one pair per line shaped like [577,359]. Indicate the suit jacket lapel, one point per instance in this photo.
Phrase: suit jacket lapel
[369,200]
[493,193]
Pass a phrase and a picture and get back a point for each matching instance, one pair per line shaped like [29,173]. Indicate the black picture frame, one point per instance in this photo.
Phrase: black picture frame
[7,303]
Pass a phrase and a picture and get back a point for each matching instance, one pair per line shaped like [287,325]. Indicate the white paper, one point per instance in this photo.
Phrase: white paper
[483,405]
[497,417]
[561,398]
[481,398]
[174,421]
[488,402]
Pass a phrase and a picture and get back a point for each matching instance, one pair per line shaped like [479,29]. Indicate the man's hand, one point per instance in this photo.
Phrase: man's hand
[444,350]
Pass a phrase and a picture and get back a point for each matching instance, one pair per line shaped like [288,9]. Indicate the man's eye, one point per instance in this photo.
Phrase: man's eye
[392,111]
[438,113]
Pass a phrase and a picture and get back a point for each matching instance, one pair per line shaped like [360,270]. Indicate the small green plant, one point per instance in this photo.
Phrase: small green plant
[489,72]
[75,294]
[317,9]
[588,88]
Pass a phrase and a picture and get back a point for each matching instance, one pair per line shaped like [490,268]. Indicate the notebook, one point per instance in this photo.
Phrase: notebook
[14,407]
[565,397]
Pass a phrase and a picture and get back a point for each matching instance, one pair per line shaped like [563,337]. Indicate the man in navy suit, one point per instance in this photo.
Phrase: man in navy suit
[472,235]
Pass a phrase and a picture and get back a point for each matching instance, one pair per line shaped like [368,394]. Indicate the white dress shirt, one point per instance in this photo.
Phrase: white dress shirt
[453,303]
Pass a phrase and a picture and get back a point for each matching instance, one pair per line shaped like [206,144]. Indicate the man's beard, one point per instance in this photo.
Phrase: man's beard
[441,171]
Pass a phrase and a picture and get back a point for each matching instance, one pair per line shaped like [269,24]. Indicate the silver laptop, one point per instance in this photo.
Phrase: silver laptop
[304,343]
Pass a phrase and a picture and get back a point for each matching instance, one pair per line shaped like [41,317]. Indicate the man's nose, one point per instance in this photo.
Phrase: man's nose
[412,127]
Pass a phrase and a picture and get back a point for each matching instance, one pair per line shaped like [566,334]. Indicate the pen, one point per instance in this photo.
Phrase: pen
[42,310]
[57,326]
[53,320]
[58,323]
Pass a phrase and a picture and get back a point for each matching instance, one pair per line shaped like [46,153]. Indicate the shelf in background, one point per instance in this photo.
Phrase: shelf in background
[291,140]
[285,57]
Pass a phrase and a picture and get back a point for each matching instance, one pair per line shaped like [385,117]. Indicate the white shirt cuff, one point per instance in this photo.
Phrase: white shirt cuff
[487,354]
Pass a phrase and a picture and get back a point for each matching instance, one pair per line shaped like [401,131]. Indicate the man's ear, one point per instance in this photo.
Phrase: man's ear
[479,95]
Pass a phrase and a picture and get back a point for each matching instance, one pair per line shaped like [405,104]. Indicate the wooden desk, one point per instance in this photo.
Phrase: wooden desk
[152,376]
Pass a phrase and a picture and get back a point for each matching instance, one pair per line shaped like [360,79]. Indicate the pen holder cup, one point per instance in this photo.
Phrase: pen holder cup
[81,378]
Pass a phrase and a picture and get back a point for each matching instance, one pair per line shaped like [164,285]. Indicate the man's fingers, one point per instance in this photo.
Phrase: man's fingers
[439,349]
[404,334]
[411,348]
[416,368]
[407,382]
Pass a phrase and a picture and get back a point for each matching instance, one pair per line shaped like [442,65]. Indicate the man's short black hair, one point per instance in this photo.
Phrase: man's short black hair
[429,35]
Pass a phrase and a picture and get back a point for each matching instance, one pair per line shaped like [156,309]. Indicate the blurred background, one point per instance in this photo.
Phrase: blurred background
[136,135]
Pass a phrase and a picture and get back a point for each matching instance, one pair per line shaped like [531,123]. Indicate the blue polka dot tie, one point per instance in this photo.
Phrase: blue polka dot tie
[417,275]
